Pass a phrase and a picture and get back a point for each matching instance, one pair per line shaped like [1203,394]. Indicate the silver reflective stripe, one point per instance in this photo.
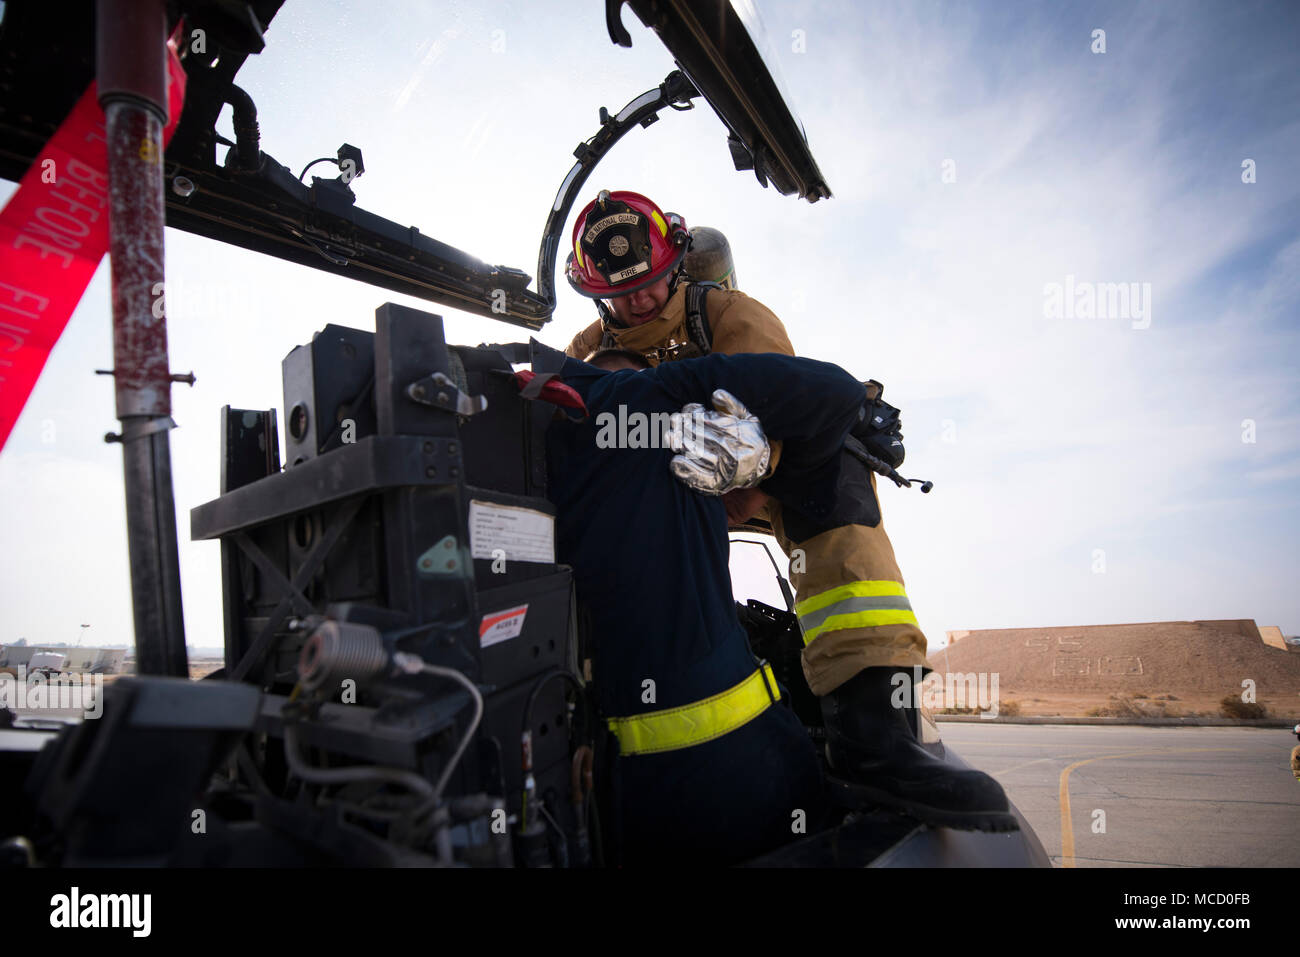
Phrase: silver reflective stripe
[647,97]
[850,605]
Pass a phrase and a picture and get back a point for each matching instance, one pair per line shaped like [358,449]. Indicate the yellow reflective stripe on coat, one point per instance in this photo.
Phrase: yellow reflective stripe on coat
[855,605]
[696,723]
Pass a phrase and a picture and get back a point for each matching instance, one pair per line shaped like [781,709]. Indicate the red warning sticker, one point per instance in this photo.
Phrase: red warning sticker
[501,626]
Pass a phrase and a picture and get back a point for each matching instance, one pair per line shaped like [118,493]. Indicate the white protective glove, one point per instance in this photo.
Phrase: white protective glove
[719,451]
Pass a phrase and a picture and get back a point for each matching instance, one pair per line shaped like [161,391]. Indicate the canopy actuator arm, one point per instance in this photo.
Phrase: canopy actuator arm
[676,92]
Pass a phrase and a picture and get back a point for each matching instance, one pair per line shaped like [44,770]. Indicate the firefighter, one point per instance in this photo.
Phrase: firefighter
[862,640]
[1295,754]
[642,303]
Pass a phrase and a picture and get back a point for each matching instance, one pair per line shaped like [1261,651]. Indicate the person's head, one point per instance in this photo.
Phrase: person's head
[612,360]
[628,251]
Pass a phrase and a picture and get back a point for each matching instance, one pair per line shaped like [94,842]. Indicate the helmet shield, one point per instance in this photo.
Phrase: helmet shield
[618,243]
[623,242]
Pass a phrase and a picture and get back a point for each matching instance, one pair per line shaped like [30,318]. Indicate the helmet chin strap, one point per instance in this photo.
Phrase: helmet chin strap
[607,317]
[674,278]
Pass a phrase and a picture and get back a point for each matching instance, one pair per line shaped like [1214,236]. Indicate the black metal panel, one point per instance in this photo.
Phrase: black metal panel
[409,346]
[390,513]
[377,462]
[374,534]
[270,212]
[328,392]
[365,733]
[122,788]
[250,451]
[495,440]
[503,722]
[432,582]
[250,447]
[540,608]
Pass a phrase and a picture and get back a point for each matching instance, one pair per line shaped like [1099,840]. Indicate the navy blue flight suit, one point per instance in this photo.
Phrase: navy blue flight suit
[650,561]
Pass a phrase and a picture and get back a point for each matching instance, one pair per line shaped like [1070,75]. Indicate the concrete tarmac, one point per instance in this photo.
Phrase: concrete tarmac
[1143,796]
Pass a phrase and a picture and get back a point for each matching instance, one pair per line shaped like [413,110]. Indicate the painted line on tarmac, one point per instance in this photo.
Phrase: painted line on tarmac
[1023,764]
[1067,827]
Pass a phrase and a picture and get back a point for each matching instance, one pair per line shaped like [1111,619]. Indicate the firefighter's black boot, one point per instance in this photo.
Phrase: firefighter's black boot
[873,747]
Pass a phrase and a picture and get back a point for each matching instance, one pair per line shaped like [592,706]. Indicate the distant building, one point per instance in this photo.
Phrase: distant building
[1272,635]
[1194,657]
[104,661]
[1269,634]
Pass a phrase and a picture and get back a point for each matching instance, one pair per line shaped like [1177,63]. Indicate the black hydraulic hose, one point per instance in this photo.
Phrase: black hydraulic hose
[526,732]
[248,138]
[541,683]
[315,162]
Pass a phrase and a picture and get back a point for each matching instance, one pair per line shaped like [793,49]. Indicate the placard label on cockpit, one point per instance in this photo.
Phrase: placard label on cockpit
[523,534]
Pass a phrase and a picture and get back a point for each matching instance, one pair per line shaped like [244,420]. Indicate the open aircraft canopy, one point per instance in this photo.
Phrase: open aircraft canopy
[722,47]
[248,199]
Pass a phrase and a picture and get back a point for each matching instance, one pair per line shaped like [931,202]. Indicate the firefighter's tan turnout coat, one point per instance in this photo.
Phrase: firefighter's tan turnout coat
[850,597]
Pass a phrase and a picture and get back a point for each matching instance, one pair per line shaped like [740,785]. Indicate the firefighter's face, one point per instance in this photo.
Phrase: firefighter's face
[642,305]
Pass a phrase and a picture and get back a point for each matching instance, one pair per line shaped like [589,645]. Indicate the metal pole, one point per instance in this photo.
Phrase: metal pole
[131,70]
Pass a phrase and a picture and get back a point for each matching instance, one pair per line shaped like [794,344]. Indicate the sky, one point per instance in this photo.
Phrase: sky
[991,167]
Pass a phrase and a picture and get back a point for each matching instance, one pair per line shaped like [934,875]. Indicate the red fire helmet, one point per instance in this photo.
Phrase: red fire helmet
[623,242]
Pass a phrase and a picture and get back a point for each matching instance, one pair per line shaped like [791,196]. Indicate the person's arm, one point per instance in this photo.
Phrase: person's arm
[794,398]
[741,324]
[807,404]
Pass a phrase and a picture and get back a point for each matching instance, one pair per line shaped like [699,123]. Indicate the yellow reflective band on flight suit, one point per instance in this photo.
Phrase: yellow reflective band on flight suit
[692,724]
[855,605]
